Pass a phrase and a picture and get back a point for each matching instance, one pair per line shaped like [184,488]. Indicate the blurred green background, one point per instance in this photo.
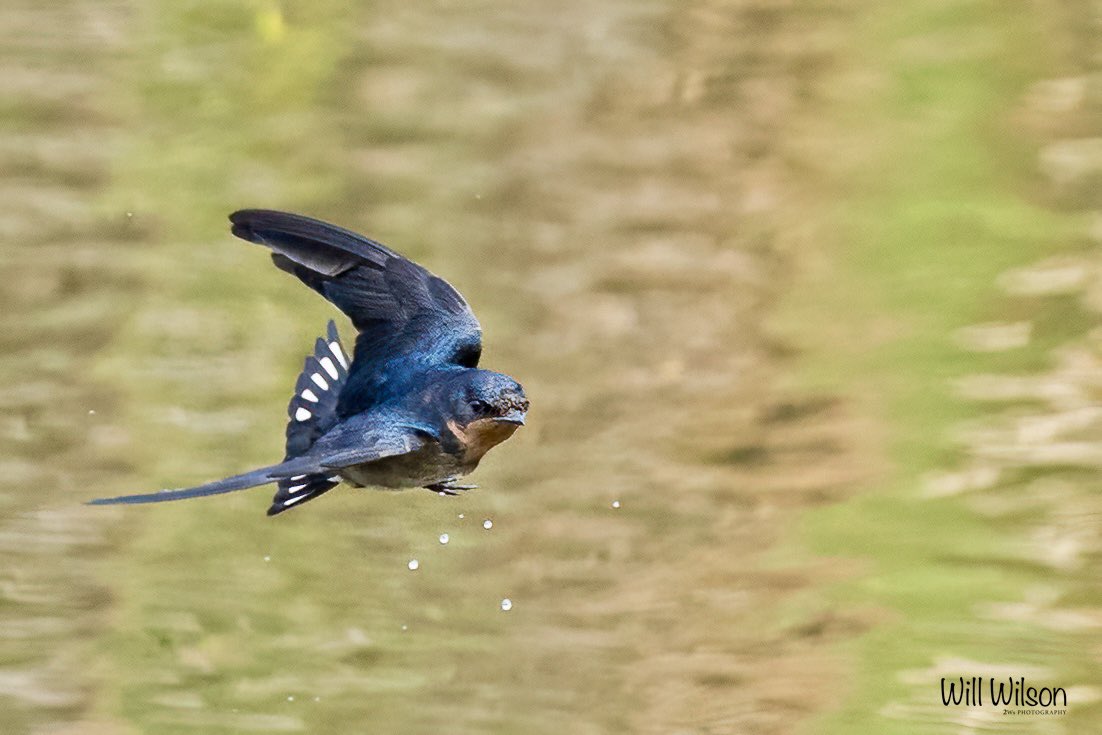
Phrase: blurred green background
[806,296]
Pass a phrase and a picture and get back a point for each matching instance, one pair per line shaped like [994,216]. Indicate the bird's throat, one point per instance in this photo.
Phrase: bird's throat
[480,436]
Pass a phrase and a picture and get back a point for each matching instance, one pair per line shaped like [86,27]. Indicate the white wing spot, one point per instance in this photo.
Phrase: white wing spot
[309,395]
[301,414]
[329,367]
[319,381]
[335,348]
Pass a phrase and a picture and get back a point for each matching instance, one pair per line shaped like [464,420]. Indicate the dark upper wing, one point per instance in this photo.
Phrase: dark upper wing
[408,319]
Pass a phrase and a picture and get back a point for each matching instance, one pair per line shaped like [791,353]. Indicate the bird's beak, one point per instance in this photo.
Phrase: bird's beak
[513,417]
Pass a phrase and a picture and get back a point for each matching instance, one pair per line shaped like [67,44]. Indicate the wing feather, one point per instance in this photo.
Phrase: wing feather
[408,319]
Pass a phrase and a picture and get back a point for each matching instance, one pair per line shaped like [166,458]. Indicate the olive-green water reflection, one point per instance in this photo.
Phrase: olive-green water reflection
[626,194]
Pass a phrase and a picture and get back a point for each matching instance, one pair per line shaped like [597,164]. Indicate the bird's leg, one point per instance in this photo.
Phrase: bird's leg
[448,487]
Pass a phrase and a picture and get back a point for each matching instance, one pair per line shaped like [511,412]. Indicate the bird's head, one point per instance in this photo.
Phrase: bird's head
[488,407]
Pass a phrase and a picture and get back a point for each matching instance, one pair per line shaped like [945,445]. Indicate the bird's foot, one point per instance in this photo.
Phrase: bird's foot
[448,487]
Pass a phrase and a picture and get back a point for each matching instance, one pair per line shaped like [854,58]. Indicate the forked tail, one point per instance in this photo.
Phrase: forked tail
[312,412]
[261,476]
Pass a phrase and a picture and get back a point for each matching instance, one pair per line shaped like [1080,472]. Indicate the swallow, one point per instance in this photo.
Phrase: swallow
[410,409]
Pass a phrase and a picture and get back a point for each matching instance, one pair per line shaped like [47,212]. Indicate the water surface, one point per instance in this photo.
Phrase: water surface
[748,261]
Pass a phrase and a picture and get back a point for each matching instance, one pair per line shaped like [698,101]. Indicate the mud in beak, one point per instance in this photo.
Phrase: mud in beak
[513,417]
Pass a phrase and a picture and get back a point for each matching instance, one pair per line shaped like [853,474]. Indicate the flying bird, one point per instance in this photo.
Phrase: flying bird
[410,409]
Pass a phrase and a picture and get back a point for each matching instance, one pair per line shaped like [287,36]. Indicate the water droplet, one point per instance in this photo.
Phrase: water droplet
[405,627]
[290,699]
[487,524]
[267,558]
[317,699]
[506,604]
[615,503]
[413,565]
[129,214]
[461,516]
[444,538]
[92,412]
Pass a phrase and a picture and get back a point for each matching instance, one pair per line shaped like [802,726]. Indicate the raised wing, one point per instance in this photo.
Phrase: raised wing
[408,319]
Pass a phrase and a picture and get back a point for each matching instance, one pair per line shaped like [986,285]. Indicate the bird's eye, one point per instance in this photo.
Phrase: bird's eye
[480,407]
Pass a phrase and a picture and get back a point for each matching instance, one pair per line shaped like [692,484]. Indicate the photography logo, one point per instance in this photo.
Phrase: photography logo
[1014,695]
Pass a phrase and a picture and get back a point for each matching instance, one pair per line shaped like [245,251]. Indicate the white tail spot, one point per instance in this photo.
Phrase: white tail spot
[329,367]
[319,381]
[301,414]
[334,478]
[338,353]
[298,477]
[309,395]
[292,501]
[296,488]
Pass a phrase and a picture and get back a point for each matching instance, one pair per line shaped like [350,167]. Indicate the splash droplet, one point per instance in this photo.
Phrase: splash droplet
[290,699]
[444,538]
[506,604]
[615,503]
[487,524]
[461,516]
[405,627]
[413,565]
[267,558]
